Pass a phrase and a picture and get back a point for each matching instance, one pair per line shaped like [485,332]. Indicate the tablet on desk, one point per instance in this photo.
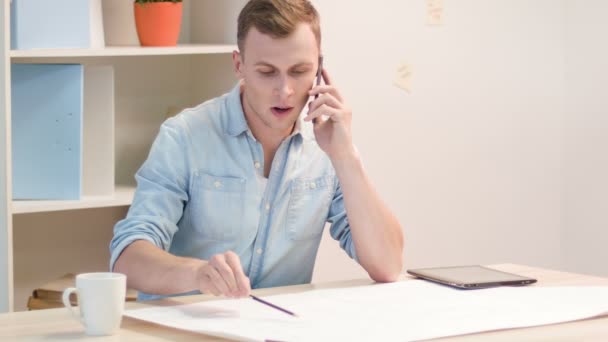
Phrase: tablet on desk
[470,277]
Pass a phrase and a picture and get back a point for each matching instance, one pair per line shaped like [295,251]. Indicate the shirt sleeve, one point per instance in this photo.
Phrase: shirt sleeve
[340,228]
[161,193]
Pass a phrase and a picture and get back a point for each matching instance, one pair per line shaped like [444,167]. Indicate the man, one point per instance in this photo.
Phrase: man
[235,192]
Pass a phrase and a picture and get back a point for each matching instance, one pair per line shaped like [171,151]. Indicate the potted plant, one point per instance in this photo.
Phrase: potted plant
[158,21]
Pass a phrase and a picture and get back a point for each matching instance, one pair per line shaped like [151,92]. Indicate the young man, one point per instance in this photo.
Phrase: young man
[235,192]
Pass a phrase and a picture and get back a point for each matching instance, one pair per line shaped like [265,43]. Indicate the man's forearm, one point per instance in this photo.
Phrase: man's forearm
[152,270]
[376,232]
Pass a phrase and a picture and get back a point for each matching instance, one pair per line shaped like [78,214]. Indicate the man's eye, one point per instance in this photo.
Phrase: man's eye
[267,72]
[298,72]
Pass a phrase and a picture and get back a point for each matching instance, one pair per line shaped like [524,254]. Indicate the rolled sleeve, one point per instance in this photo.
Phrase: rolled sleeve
[162,191]
[340,228]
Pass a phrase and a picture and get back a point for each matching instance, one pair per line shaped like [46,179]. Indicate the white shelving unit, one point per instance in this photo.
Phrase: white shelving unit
[123,195]
[117,51]
[41,240]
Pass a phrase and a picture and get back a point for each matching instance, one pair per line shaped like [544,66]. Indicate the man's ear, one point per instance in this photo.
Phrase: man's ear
[237,63]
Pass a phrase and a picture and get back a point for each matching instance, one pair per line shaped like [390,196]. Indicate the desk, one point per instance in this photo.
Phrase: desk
[58,325]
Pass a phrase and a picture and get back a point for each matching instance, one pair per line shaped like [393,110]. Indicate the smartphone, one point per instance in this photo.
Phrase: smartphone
[318,82]
[319,73]
[470,277]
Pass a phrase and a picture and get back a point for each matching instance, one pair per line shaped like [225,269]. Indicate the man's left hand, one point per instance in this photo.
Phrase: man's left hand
[332,120]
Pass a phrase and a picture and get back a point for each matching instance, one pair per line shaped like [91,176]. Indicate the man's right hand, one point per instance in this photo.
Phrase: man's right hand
[223,274]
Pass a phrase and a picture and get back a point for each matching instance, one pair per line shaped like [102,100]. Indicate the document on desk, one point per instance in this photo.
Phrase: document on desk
[403,311]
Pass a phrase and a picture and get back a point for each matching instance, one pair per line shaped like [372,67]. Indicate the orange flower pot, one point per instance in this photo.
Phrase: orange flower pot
[158,23]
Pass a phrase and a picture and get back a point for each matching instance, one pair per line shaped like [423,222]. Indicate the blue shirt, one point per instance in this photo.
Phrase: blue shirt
[199,194]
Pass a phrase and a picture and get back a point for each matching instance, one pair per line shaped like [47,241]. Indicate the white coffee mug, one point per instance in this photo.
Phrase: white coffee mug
[101,298]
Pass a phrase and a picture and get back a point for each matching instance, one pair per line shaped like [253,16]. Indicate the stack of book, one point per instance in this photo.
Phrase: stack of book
[49,295]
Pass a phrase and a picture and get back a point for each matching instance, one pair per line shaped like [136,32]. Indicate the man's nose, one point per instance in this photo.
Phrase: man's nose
[284,88]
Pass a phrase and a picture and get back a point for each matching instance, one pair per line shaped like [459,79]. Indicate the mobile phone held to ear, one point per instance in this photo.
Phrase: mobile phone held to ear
[319,73]
[318,82]
[470,277]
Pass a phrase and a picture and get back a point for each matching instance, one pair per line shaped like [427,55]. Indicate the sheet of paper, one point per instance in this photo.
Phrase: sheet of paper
[403,311]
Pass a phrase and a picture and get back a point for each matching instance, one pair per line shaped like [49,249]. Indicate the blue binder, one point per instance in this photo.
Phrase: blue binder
[50,24]
[47,105]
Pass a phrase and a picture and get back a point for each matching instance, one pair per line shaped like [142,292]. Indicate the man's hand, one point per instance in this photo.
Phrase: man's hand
[222,274]
[334,132]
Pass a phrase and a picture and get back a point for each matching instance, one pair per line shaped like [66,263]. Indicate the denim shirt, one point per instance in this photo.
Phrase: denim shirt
[199,194]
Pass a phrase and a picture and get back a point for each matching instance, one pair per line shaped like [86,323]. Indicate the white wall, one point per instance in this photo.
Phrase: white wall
[471,161]
[586,159]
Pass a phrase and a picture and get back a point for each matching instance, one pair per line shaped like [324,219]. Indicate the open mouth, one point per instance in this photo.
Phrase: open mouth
[280,111]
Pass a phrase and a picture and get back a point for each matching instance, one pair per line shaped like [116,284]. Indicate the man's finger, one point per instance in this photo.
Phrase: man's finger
[323,110]
[207,286]
[325,90]
[329,81]
[327,99]
[213,289]
[218,281]
[220,264]
[243,284]
[326,77]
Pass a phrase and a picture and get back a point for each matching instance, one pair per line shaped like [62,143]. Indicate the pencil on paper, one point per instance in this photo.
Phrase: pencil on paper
[272,305]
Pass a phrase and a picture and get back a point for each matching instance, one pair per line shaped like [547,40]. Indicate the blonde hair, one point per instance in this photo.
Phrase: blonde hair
[277,18]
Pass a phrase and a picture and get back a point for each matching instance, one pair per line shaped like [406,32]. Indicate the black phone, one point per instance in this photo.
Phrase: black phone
[470,277]
[319,73]
[319,76]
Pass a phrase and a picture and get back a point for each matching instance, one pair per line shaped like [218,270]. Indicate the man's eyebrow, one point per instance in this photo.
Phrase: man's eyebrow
[301,64]
[264,64]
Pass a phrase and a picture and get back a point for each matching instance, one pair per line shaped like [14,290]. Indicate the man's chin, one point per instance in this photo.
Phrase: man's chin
[284,123]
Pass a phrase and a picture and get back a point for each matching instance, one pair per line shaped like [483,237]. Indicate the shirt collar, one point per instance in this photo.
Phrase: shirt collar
[235,119]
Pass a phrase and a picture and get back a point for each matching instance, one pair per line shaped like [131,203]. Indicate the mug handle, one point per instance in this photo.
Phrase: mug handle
[66,301]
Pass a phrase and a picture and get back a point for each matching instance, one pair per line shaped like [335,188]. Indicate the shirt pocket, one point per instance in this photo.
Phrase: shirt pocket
[217,206]
[308,207]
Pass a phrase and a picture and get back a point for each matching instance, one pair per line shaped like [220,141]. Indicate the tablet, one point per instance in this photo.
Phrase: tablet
[470,277]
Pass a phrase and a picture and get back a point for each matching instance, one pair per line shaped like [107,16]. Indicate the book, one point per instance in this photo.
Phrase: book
[40,304]
[40,24]
[53,290]
[47,120]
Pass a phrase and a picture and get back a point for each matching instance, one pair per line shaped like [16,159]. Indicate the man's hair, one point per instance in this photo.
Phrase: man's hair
[277,18]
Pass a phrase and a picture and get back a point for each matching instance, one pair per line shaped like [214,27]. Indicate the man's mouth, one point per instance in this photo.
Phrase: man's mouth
[280,111]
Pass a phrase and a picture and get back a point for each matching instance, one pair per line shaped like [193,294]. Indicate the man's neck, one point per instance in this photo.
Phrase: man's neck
[269,139]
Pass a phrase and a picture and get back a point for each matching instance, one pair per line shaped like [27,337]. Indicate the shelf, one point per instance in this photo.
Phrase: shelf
[123,196]
[117,51]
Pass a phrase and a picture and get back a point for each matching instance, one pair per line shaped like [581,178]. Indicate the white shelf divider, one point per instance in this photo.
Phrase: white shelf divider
[98,131]
[117,51]
[123,196]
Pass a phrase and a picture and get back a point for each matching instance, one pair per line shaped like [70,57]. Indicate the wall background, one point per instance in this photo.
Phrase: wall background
[497,153]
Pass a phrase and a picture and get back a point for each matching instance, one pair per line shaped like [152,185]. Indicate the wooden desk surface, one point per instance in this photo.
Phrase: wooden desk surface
[58,325]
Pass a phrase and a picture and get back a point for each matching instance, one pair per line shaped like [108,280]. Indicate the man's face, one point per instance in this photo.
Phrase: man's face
[277,75]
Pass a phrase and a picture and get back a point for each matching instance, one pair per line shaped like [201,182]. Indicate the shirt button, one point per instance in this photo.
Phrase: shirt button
[313,185]
[259,251]
[217,184]
[257,164]
[267,206]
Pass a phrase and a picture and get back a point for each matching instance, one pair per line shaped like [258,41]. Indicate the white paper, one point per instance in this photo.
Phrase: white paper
[402,311]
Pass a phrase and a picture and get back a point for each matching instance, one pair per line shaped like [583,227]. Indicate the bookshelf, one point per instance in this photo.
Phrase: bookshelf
[116,51]
[122,196]
[43,239]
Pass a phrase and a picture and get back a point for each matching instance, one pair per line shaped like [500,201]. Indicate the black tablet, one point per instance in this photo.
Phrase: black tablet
[470,277]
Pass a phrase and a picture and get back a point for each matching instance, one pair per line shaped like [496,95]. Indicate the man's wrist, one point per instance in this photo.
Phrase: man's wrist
[346,160]
[194,270]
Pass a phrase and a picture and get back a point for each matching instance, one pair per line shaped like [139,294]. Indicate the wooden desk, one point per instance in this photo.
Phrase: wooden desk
[58,325]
